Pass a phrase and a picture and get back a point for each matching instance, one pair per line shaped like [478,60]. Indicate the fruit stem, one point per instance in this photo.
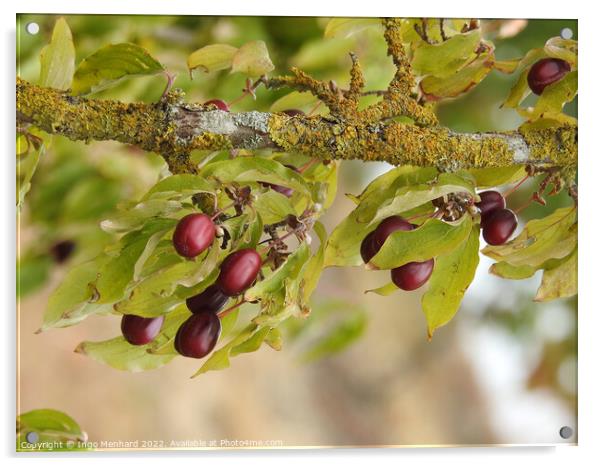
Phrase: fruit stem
[307,165]
[282,238]
[220,211]
[227,311]
[515,187]
[170,79]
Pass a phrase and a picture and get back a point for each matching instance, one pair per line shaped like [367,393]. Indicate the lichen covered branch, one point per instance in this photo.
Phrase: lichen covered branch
[174,129]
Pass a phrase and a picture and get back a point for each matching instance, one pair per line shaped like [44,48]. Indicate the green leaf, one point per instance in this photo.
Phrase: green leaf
[452,275]
[65,304]
[119,354]
[338,338]
[274,339]
[253,170]
[273,207]
[135,217]
[507,66]
[276,279]
[154,295]
[497,176]
[252,344]
[552,237]
[431,239]
[443,59]
[180,186]
[252,59]
[388,195]
[108,65]
[56,431]
[555,95]
[520,272]
[57,59]
[461,81]
[560,281]
[220,359]
[313,270]
[512,272]
[213,57]
[117,272]
[346,27]
[27,163]
[519,91]
[385,290]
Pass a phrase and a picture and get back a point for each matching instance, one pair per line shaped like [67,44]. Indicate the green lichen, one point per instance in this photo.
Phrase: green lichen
[552,145]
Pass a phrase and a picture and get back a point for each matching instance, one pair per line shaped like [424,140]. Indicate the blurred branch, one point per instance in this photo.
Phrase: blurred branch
[174,128]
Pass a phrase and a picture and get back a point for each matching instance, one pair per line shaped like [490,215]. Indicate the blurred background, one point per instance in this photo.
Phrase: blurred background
[503,371]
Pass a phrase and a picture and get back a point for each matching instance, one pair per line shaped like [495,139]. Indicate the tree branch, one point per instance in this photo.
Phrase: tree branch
[173,129]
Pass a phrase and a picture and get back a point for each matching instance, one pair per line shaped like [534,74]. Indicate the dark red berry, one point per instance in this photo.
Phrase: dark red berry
[545,72]
[193,235]
[212,299]
[388,226]
[412,275]
[140,330]
[62,250]
[198,335]
[238,271]
[220,104]
[293,112]
[490,201]
[498,226]
[368,248]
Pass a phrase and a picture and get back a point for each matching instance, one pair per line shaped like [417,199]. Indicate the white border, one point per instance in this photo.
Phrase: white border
[590,388]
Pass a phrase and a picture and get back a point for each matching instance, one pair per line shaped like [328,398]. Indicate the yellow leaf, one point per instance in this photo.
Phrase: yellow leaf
[213,57]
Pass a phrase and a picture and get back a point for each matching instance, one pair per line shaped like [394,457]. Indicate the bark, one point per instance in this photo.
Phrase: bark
[174,128]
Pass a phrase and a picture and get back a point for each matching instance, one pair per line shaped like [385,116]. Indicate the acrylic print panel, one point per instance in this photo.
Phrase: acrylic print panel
[280,232]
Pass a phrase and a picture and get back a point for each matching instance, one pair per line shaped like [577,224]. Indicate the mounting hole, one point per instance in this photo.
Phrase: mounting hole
[566,432]
[32,437]
[566,33]
[32,28]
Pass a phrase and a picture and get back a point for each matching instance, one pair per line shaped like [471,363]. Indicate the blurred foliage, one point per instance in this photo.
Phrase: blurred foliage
[77,186]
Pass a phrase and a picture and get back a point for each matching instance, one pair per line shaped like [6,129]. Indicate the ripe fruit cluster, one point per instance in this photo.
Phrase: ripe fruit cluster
[545,72]
[198,335]
[497,221]
[408,277]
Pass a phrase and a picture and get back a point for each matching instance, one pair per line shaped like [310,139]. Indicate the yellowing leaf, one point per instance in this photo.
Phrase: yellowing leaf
[507,66]
[252,59]
[559,282]
[345,27]
[565,49]
[555,95]
[108,65]
[444,59]
[57,59]
[213,57]
[462,81]
[552,237]
[451,277]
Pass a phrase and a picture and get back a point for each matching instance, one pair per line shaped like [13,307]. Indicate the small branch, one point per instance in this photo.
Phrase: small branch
[399,101]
